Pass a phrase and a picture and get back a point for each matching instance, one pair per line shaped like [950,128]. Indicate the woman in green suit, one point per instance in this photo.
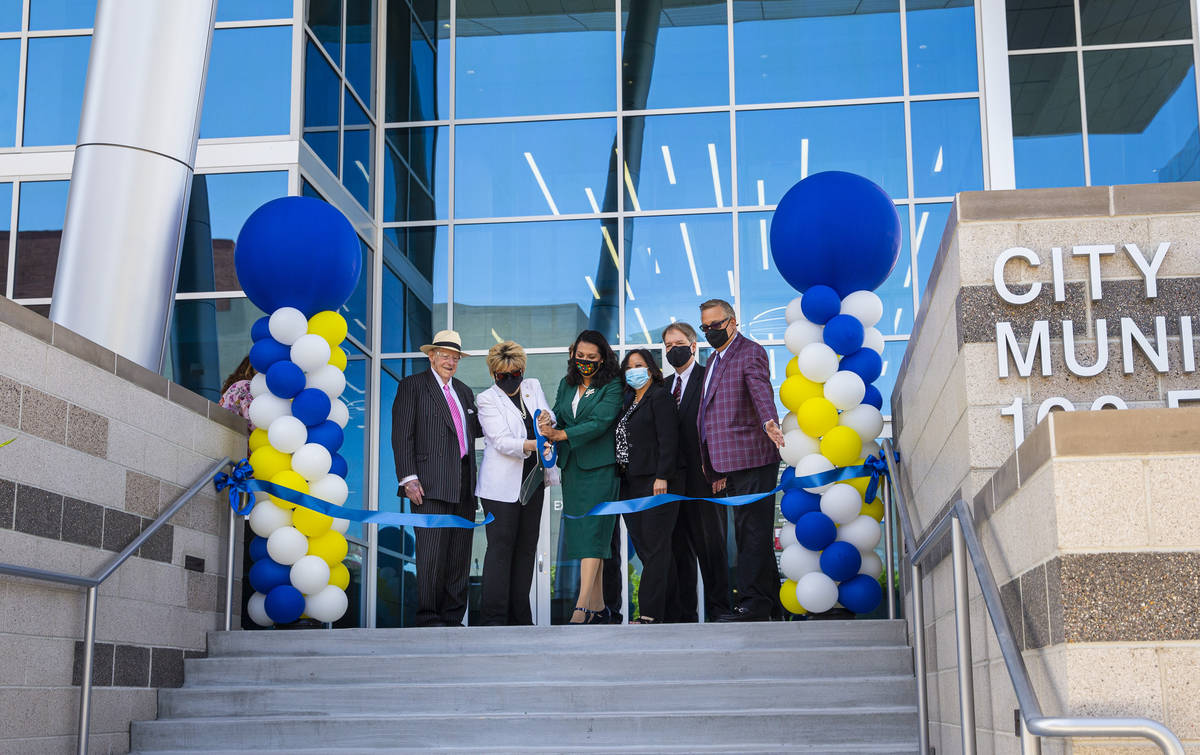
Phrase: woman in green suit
[587,405]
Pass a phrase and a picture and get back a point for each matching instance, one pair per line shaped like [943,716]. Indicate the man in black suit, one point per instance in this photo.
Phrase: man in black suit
[434,427]
[700,529]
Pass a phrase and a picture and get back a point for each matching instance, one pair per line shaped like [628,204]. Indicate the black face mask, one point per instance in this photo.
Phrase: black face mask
[678,356]
[510,384]
[717,338]
[587,367]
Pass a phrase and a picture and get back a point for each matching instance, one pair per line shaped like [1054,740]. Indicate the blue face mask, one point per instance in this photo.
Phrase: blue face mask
[637,377]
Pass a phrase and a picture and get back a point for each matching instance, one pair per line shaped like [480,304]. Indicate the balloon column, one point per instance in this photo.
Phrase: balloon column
[835,238]
[298,259]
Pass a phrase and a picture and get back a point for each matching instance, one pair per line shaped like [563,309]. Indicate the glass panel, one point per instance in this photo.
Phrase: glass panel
[416,174]
[356,152]
[325,20]
[407,314]
[812,51]
[308,190]
[674,59]
[355,616]
[321,91]
[360,48]
[931,222]
[532,60]
[946,146]
[1034,24]
[209,339]
[677,161]
[863,139]
[417,66]
[57,70]
[1105,22]
[1047,135]
[897,291]
[1141,115]
[10,63]
[941,49]
[250,10]
[10,15]
[893,356]
[43,205]
[61,14]
[249,89]
[6,192]
[396,591]
[421,245]
[673,265]
[541,168]
[538,284]
[357,310]
[354,449]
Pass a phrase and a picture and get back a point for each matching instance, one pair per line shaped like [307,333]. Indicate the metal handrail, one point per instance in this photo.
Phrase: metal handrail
[965,544]
[92,586]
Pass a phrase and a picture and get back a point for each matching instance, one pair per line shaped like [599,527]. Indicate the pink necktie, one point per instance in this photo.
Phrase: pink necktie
[458,424]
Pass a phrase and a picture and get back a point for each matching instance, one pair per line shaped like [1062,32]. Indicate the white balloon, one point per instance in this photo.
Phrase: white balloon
[845,389]
[267,408]
[256,609]
[841,503]
[287,434]
[339,413]
[287,545]
[812,464]
[787,535]
[312,461]
[817,362]
[328,605]
[796,561]
[311,352]
[872,564]
[871,448]
[287,325]
[797,445]
[863,419]
[816,592]
[266,517]
[789,423]
[801,333]
[864,306]
[258,384]
[863,533]
[330,488]
[329,379]
[873,340]
[310,574]
[793,312]
[340,525]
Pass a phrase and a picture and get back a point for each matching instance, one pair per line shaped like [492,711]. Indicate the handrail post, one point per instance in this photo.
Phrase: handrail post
[85,680]
[1030,744]
[962,628]
[229,560]
[918,618]
[888,525]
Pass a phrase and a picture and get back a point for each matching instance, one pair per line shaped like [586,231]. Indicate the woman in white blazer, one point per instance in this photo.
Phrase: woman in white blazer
[511,465]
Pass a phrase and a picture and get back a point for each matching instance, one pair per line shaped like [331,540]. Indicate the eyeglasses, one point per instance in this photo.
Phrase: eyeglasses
[446,356]
[711,326]
[515,375]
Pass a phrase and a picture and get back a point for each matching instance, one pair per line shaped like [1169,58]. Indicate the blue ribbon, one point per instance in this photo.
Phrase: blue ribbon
[241,480]
[541,443]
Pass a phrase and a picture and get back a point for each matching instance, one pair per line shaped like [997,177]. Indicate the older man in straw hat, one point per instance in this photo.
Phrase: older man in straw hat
[434,427]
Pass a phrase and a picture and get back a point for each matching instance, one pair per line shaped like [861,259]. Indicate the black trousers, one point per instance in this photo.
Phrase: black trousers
[651,532]
[508,564]
[754,532]
[611,574]
[699,540]
[444,559]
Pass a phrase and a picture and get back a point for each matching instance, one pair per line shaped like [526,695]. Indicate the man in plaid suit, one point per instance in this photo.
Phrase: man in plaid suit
[740,440]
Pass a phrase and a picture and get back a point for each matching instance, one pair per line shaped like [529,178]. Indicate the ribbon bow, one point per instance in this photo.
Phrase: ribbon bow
[237,482]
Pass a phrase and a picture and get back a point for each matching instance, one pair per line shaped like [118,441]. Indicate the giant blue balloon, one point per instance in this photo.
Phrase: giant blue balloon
[284,604]
[861,594]
[297,252]
[835,229]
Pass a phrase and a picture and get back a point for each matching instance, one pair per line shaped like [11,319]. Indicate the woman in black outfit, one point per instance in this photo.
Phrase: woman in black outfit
[647,438]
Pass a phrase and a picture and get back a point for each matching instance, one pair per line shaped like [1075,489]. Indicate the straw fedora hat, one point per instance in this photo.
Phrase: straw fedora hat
[445,339]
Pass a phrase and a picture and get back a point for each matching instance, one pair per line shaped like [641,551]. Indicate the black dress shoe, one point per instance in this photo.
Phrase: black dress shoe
[742,614]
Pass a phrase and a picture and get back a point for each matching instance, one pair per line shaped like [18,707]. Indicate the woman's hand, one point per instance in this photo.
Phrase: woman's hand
[660,487]
[554,435]
[529,446]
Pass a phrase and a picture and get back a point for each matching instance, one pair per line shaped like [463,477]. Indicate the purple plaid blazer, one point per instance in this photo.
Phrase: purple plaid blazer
[734,409]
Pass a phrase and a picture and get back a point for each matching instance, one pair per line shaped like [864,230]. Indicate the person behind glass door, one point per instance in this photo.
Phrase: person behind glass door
[739,443]
[434,427]
[647,438]
[700,528]
[586,408]
[511,481]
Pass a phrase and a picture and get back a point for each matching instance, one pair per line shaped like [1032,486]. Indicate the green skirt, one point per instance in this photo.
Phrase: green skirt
[591,536]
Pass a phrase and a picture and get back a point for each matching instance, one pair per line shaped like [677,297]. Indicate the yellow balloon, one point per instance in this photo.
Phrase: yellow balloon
[859,483]
[258,439]
[328,325]
[267,462]
[793,367]
[329,546]
[288,479]
[339,576]
[337,357]
[797,389]
[874,509]
[311,523]
[841,445]
[787,596]
[817,416]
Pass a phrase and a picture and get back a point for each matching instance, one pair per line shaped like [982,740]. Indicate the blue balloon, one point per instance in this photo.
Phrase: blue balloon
[297,252]
[820,304]
[867,364]
[267,352]
[328,434]
[265,575]
[860,594]
[285,378]
[339,466]
[835,229]
[797,502]
[311,406]
[840,561]
[843,334]
[815,531]
[284,604]
[258,549]
[873,397]
[260,329]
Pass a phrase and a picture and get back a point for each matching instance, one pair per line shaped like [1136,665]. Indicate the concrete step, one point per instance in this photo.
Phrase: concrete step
[741,749]
[487,697]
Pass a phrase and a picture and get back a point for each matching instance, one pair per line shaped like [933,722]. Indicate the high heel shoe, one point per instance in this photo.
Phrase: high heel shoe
[588,614]
[603,616]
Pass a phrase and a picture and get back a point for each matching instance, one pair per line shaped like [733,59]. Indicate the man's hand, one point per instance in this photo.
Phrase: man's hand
[660,487]
[774,433]
[719,485]
[415,492]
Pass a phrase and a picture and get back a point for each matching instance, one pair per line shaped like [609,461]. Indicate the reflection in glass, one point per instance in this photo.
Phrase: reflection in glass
[10,62]
[863,139]
[674,264]
[6,192]
[249,86]
[54,79]
[417,65]
[947,149]
[540,168]
[407,318]
[1035,24]
[422,246]
[896,292]
[325,19]
[416,173]
[396,588]
[209,339]
[357,309]
[10,15]
[807,51]
[1106,22]
[765,293]
[930,224]
[674,59]
[538,284]
[61,14]
[893,357]
[356,152]
[677,161]
[941,48]
[1141,108]
[355,561]
[321,91]
[354,449]
[43,205]
[360,48]
[1047,132]
[250,10]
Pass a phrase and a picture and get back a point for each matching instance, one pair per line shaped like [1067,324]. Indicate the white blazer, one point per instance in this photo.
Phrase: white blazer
[504,439]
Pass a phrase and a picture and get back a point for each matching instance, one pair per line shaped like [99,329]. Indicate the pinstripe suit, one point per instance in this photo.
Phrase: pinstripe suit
[425,444]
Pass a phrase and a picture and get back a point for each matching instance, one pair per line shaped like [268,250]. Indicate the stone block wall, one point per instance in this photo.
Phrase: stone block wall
[101,447]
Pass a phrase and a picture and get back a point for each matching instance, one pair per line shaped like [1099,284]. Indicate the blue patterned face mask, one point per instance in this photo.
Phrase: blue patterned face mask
[637,377]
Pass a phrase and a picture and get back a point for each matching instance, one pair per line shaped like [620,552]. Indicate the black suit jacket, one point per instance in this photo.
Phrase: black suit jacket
[423,438]
[653,434]
[689,435]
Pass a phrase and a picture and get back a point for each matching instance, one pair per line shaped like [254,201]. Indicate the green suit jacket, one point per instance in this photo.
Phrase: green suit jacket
[590,440]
